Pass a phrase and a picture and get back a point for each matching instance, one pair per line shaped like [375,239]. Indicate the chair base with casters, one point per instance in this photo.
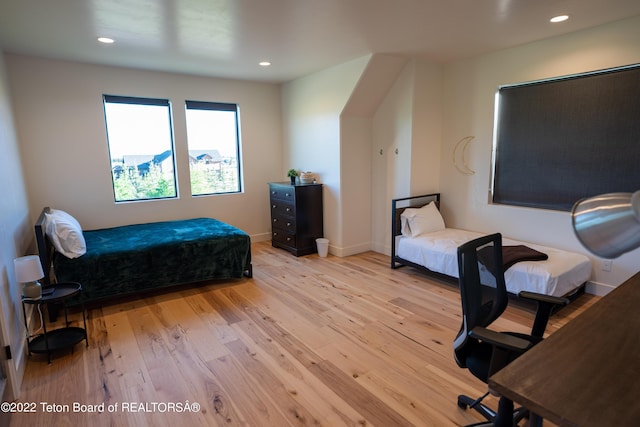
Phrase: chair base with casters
[505,406]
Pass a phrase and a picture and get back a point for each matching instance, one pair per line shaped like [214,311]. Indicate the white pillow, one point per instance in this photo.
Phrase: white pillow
[417,221]
[65,233]
[404,221]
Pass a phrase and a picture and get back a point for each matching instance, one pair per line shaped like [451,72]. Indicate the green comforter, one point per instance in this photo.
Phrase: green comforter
[134,258]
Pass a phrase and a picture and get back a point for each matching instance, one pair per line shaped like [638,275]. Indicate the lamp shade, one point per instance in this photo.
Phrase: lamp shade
[608,225]
[28,269]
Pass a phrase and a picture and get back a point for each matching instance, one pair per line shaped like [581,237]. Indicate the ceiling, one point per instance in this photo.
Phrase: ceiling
[227,38]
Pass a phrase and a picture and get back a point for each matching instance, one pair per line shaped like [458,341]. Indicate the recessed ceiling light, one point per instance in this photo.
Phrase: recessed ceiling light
[264,63]
[105,40]
[559,18]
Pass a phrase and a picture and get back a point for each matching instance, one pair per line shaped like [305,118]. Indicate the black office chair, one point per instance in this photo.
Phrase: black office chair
[484,298]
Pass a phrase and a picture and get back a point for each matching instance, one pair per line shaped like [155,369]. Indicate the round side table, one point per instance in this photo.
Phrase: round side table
[61,338]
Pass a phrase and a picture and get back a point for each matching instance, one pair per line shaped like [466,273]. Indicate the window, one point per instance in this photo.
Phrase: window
[140,141]
[214,147]
[563,139]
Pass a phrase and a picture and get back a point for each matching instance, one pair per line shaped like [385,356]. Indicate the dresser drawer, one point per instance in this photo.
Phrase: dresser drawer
[284,223]
[282,193]
[280,208]
[281,236]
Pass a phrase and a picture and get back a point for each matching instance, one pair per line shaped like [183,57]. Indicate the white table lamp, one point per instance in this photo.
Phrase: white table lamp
[29,271]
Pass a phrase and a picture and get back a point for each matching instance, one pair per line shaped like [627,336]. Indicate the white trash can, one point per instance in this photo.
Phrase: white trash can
[323,247]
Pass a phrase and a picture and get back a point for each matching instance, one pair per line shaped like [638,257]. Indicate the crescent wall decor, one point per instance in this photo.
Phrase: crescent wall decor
[461,148]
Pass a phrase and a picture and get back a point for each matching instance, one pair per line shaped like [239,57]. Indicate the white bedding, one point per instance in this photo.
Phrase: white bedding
[559,275]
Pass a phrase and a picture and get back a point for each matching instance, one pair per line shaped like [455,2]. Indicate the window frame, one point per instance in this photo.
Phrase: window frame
[133,100]
[217,106]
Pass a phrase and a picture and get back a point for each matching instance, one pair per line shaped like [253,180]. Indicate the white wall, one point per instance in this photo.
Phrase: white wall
[338,120]
[427,127]
[355,184]
[406,142]
[391,154]
[16,238]
[470,87]
[60,126]
[361,176]
[311,111]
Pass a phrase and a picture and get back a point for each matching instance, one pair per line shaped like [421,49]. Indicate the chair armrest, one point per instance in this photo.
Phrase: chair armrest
[546,304]
[504,341]
[506,347]
[548,299]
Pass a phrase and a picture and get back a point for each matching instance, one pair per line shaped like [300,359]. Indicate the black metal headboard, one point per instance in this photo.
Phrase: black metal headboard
[45,248]
[398,206]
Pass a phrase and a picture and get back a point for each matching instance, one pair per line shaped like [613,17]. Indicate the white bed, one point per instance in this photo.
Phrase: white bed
[435,249]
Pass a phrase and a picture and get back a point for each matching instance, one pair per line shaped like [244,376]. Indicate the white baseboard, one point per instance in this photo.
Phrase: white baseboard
[333,250]
[600,289]
[348,251]
[262,237]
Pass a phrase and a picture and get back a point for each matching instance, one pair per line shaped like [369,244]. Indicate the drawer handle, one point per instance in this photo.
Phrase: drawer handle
[288,224]
[287,194]
[288,239]
[275,234]
[273,207]
[288,209]
[275,219]
[273,192]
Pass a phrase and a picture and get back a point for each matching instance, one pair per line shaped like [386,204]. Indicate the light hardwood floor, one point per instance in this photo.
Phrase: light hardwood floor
[308,341]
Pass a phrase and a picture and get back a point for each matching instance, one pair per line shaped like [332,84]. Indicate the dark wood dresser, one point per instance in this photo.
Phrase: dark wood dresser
[296,216]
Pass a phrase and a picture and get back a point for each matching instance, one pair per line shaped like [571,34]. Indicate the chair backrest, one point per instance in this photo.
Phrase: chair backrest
[482,288]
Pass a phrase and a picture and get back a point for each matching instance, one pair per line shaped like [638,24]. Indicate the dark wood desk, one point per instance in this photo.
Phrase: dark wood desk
[588,372]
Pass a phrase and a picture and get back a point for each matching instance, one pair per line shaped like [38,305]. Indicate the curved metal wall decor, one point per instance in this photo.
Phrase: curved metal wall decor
[461,147]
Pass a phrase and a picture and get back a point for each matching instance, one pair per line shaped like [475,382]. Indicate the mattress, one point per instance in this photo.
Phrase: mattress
[559,275]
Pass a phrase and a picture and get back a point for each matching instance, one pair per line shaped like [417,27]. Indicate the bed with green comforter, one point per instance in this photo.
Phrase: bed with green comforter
[131,259]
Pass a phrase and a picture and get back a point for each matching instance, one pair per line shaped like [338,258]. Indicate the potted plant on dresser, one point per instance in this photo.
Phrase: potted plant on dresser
[292,174]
